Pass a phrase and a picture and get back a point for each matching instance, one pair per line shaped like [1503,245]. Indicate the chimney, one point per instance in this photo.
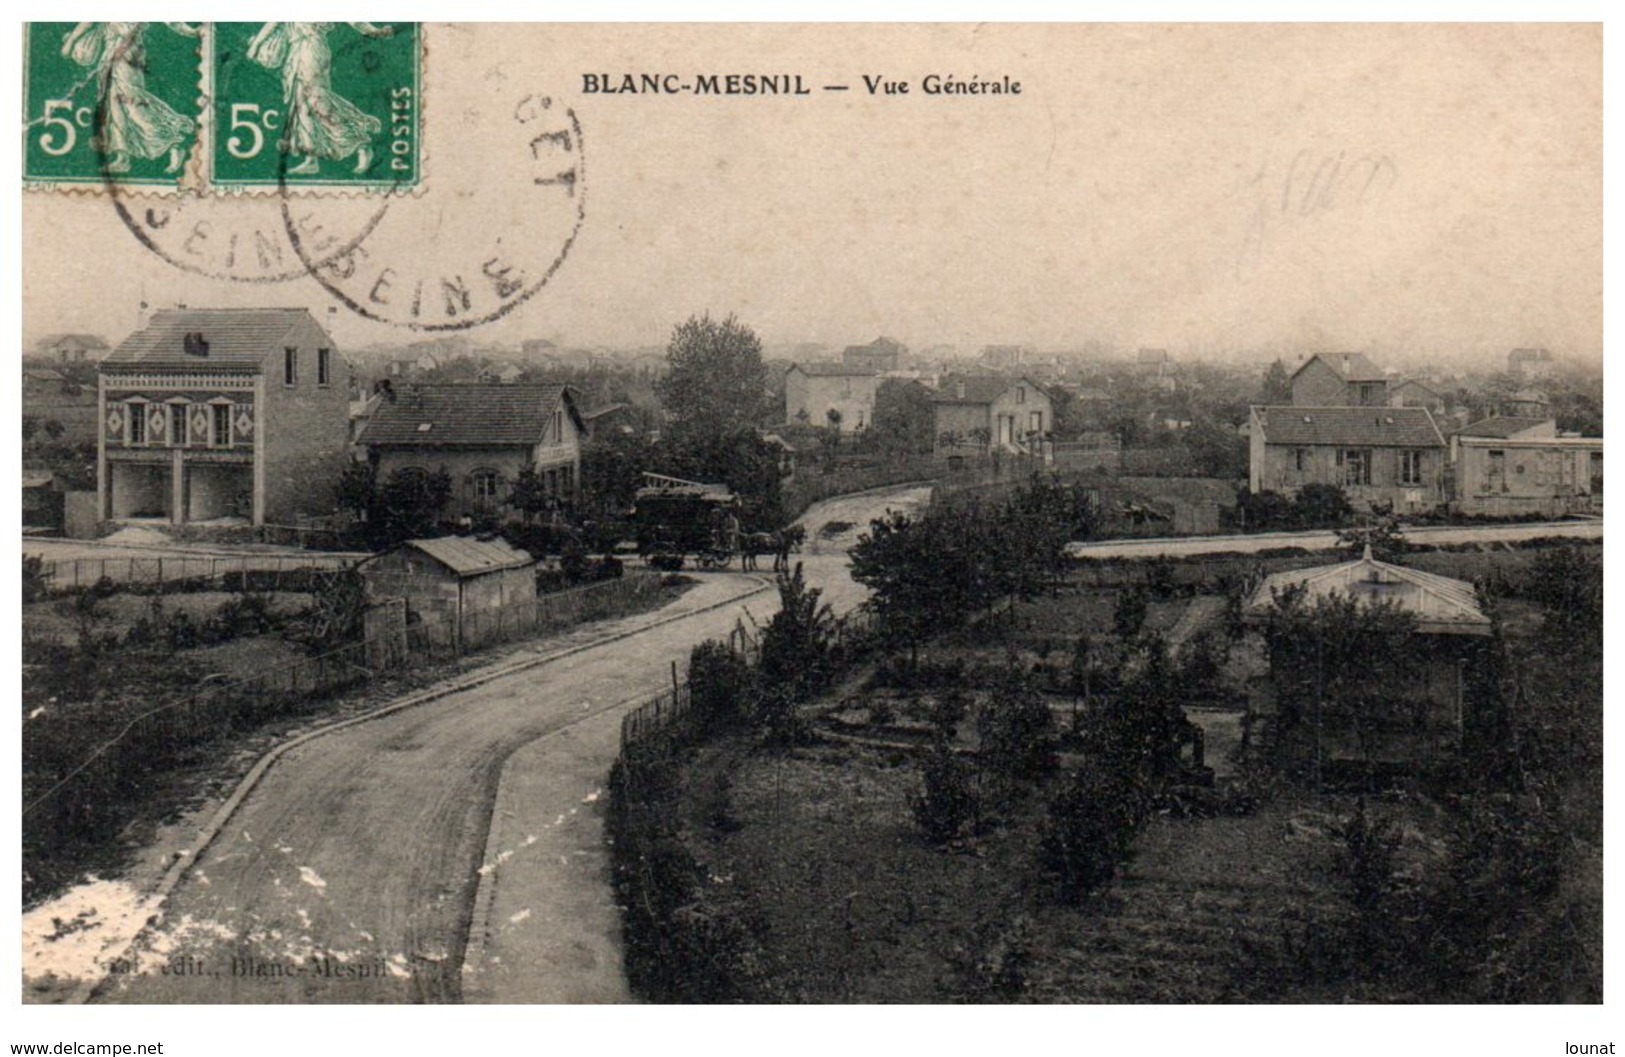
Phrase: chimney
[386,388]
[143,316]
[1348,363]
[195,344]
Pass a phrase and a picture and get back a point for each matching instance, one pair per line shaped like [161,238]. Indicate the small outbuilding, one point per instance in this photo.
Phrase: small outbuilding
[1379,702]
[457,587]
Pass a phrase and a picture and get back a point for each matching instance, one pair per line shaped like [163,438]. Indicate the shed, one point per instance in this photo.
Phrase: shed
[1408,711]
[455,585]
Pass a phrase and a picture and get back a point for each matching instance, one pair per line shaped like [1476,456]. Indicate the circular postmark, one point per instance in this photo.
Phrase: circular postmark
[505,203]
[198,227]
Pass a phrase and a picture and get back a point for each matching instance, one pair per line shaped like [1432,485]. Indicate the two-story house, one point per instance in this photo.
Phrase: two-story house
[1377,455]
[483,436]
[1345,379]
[813,390]
[215,413]
[1012,414]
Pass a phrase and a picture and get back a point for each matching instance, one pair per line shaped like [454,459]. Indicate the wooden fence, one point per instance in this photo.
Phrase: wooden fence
[269,572]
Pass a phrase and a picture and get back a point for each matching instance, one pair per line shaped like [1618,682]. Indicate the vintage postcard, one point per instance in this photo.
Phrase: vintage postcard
[812,513]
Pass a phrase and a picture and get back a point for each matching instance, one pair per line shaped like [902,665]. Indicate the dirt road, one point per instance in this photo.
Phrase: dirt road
[349,873]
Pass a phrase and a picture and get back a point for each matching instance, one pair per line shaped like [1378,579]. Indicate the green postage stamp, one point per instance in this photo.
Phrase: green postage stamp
[223,106]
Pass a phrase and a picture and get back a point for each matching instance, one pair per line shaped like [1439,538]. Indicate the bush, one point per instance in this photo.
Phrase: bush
[1090,829]
[1129,613]
[947,807]
[993,966]
[719,685]
[1016,729]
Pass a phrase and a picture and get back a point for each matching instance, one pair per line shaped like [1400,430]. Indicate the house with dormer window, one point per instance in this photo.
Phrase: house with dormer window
[210,414]
[483,436]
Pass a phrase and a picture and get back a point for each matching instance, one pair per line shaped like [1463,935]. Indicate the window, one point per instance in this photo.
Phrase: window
[1495,472]
[484,490]
[558,427]
[1356,463]
[1410,467]
[220,425]
[1035,422]
[324,367]
[177,418]
[290,366]
[1021,394]
[137,414]
[567,479]
[1300,459]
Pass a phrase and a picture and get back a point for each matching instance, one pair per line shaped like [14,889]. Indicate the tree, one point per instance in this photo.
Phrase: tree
[408,505]
[1277,385]
[903,418]
[1016,729]
[716,384]
[528,494]
[794,661]
[612,468]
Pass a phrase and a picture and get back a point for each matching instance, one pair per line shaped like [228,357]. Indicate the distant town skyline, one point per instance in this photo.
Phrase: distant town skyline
[1420,193]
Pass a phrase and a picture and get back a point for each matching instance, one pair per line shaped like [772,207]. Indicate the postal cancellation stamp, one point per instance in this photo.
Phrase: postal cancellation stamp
[223,107]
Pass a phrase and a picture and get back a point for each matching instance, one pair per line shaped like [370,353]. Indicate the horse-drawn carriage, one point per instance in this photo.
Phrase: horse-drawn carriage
[678,519]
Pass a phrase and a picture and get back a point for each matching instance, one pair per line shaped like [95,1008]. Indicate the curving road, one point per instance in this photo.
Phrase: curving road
[353,871]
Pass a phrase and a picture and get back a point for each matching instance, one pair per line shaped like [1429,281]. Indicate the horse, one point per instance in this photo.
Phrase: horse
[754,544]
[787,540]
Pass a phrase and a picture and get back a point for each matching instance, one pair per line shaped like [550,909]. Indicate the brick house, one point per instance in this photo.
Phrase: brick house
[1011,412]
[213,413]
[1345,379]
[483,436]
[812,390]
[1377,455]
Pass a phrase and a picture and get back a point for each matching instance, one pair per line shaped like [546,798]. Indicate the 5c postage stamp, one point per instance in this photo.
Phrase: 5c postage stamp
[223,106]
[115,101]
[315,104]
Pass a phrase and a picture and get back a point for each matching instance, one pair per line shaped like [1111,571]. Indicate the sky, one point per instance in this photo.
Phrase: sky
[1416,192]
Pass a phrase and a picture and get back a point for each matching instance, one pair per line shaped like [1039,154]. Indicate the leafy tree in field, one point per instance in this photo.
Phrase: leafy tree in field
[1016,729]
[716,384]
[1090,830]
[1277,385]
[903,418]
[947,805]
[719,683]
[794,663]
[612,470]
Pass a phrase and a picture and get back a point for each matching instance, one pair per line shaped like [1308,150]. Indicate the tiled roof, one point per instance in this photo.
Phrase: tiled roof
[1439,603]
[979,388]
[1502,426]
[438,416]
[831,370]
[470,557]
[1350,366]
[235,336]
[1355,427]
